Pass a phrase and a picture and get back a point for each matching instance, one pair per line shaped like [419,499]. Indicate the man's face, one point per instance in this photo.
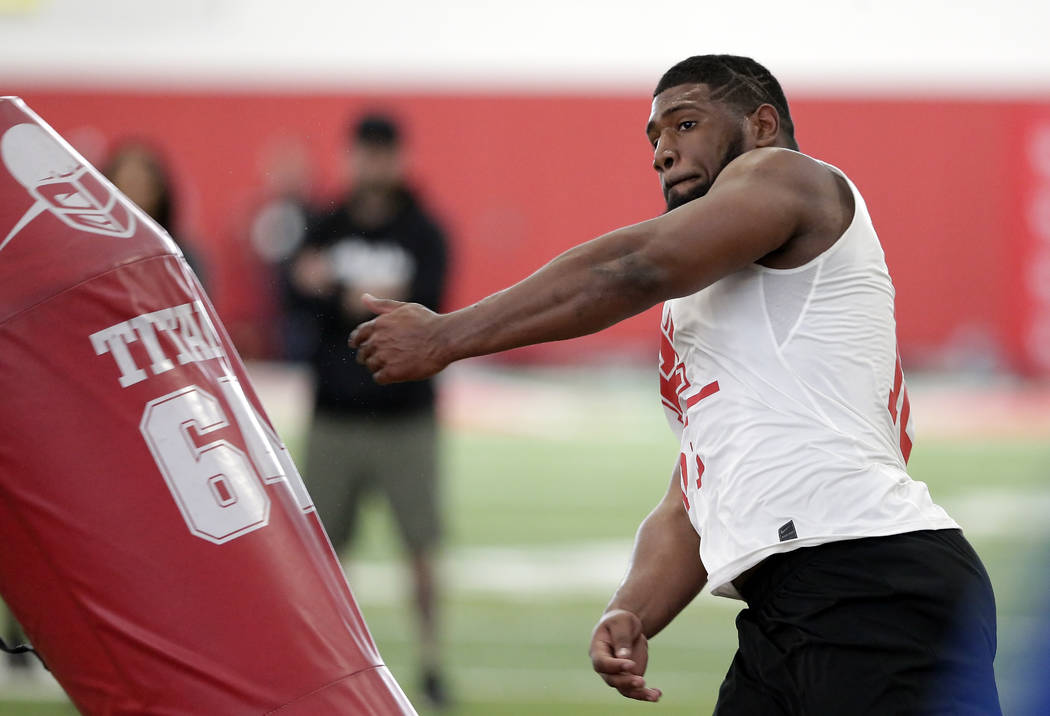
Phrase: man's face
[693,139]
[136,176]
[376,167]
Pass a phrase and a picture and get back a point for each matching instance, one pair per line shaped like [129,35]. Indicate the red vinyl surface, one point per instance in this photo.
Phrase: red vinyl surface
[159,548]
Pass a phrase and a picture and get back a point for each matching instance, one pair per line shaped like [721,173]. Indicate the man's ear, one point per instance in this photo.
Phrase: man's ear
[765,124]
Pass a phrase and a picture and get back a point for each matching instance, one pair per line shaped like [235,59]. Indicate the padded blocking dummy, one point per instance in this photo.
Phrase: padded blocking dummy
[156,541]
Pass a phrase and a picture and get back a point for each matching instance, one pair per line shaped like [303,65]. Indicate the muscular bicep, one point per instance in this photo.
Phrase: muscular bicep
[757,205]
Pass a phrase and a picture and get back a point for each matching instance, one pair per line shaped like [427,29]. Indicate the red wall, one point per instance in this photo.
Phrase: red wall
[519,178]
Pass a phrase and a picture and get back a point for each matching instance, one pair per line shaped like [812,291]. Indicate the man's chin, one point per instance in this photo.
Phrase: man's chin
[674,201]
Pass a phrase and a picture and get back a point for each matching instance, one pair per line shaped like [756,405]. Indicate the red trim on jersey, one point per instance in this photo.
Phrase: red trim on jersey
[707,391]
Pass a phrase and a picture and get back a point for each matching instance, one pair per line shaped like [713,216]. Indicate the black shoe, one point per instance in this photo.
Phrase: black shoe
[435,691]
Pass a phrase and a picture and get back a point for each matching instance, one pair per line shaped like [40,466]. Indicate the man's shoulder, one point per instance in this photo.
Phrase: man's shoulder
[807,182]
[778,163]
[819,198]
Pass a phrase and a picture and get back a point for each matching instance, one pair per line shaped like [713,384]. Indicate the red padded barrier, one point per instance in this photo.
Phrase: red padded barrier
[158,545]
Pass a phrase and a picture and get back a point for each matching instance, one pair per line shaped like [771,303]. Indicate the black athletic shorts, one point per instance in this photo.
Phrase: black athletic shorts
[887,626]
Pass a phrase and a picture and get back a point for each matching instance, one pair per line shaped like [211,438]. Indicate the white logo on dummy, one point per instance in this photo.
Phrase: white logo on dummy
[60,183]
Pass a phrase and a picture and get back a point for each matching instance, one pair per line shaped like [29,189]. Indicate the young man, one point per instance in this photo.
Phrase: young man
[779,371]
[365,437]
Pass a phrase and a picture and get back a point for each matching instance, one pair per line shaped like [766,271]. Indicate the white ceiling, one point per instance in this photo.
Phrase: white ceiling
[988,46]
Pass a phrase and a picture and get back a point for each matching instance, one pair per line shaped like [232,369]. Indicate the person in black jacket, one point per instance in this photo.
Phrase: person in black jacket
[365,436]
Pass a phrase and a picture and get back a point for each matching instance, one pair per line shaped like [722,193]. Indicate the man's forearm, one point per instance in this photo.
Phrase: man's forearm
[665,572]
[582,291]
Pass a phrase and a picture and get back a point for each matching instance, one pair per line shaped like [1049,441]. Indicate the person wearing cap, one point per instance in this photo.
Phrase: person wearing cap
[365,438]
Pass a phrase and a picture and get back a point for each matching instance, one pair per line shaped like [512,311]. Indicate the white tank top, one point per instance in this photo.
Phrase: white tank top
[786,391]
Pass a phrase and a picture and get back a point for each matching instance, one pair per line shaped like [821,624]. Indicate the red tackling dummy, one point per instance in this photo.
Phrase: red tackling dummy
[156,541]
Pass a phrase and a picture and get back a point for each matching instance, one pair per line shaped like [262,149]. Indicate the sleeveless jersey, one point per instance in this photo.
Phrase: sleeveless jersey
[786,390]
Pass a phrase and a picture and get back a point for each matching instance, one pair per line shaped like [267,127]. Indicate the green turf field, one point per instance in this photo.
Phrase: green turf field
[541,521]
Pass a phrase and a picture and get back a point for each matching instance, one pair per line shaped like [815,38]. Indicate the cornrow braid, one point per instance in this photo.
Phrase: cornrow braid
[739,82]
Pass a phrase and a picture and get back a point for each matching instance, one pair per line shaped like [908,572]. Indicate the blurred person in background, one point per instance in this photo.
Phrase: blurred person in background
[367,437]
[780,376]
[141,173]
[276,230]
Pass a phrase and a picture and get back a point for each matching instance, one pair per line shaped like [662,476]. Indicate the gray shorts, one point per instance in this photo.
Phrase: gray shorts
[396,456]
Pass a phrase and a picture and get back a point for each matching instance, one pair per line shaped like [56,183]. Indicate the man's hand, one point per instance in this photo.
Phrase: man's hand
[620,653]
[353,296]
[312,273]
[398,345]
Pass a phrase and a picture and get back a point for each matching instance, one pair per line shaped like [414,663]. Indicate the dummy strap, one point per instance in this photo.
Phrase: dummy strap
[21,649]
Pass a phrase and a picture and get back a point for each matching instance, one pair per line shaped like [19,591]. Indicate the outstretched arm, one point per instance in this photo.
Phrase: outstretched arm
[665,574]
[758,203]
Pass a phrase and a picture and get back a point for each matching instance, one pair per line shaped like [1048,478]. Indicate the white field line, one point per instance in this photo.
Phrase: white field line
[990,512]
[589,570]
[562,405]
[512,573]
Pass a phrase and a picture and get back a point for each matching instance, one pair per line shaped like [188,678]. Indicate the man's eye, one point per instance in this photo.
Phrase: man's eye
[686,124]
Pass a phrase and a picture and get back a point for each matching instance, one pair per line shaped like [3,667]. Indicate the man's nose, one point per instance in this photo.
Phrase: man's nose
[664,155]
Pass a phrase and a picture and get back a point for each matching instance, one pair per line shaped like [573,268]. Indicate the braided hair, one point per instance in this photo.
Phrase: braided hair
[739,82]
